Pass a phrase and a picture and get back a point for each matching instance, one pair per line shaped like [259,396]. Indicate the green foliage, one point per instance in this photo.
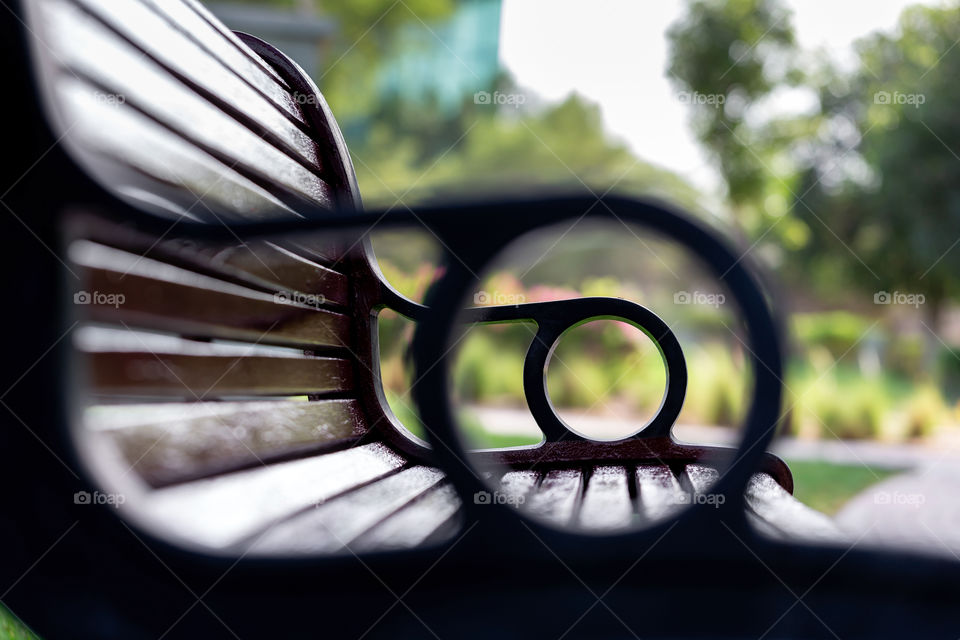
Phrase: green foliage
[717,389]
[487,369]
[12,629]
[367,31]
[886,175]
[732,54]
[562,145]
[842,403]
[837,331]
[603,364]
[847,407]
[948,373]
[906,357]
[924,412]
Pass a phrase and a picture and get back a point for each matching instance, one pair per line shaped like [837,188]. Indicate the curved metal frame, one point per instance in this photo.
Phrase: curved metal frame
[440,329]
[553,319]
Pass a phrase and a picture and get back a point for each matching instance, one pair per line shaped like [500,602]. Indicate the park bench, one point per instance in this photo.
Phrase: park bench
[208,124]
[218,339]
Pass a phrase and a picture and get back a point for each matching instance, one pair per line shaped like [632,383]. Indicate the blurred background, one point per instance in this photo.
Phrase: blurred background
[819,136]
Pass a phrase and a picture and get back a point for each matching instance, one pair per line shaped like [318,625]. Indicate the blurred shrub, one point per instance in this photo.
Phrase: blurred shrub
[486,369]
[610,365]
[905,357]
[841,407]
[925,411]
[843,404]
[606,363]
[716,390]
[948,372]
[836,331]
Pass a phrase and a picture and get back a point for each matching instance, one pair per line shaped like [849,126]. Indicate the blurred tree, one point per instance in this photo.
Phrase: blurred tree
[506,149]
[366,33]
[862,193]
[896,199]
[400,146]
[725,57]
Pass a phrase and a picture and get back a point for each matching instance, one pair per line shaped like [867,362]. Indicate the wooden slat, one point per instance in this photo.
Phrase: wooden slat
[195,182]
[258,264]
[775,507]
[148,374]
[698,479]
[272,264]
[160,296]
[194,66]
[138,364]
[84,44]
[212,20]
[335,525]
[319,250]
[168,443]
[606,501]
[431,517]
[658,492]
[225,510]
[517,485]
[557,497]
[230,51]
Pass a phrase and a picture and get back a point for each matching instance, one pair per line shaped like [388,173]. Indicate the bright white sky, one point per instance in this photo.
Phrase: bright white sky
[615,51]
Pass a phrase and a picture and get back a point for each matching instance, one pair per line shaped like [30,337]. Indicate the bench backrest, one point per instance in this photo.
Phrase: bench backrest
[203,126]
[198,358]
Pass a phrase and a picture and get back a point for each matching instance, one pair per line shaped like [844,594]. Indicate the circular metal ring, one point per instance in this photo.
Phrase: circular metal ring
[556,318]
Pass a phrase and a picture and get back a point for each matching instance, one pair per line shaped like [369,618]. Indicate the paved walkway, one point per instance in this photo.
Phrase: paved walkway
[855,452]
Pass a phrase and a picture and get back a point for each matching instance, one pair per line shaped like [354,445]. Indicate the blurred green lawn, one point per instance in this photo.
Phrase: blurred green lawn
[827,487]
[11,629]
